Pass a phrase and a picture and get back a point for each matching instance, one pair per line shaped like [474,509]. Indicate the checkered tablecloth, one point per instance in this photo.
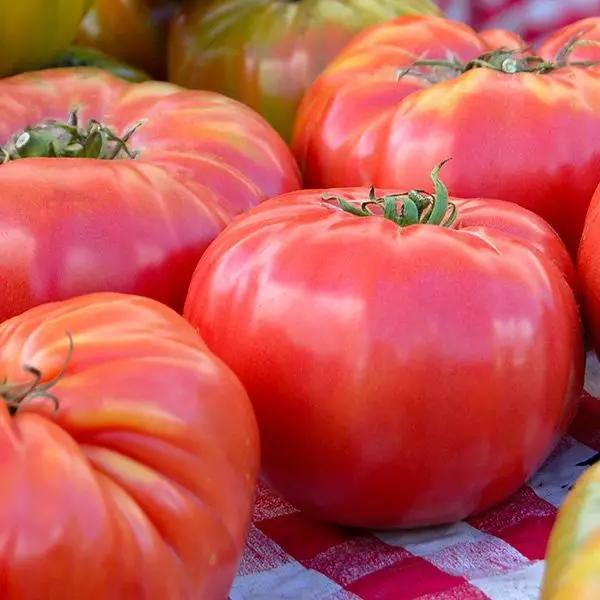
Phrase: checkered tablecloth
[498,555]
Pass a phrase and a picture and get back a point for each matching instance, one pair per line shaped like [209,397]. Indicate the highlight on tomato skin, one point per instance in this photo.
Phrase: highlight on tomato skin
[113,186]
[383,332]
[130,455]
[520,127]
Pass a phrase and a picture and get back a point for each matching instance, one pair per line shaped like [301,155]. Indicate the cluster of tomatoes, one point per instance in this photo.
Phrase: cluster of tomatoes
[384,277]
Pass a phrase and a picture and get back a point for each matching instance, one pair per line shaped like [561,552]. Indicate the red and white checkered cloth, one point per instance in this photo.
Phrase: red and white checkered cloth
[498,555]
[532,19]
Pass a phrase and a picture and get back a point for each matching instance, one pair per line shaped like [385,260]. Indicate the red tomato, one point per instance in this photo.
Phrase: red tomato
[140,483]
[585,34]
[501,38]
[528,137]
[73,226]
[402,376]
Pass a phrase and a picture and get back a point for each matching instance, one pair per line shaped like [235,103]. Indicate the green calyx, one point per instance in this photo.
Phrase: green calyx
[15,396]
[408,208]
[70,139]
[503,60]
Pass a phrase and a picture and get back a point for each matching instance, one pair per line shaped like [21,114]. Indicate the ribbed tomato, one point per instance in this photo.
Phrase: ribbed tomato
[418,90]
[132,30]
[573,558]
[403,373]
[35,32]
[267,52]
[129,455]
[138,223]
[585,34]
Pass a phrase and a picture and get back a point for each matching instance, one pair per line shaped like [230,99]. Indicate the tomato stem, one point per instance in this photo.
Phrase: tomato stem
[69,139]
[16,395]
[503,60]
[417,206]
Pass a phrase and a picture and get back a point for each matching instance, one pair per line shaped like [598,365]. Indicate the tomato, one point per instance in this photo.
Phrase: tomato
[588,267]
[132,30]
[584,33]
[80,56]
[267,52]
[501,38]
[531,137]
[35,32]
[573,559]
[402,376]
[129,454]
[137,224]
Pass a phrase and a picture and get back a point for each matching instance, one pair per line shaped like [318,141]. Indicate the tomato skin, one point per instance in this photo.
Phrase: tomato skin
[573,558]
[131,30]
[502,38]
[528,138]
[141,484]
[75,226]
[35,32]
[411,377]
[586,29]
[588,262]
[267,52]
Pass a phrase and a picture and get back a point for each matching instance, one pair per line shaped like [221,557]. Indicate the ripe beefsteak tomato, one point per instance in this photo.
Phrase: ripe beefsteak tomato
[72,224]
[573,558]
[129,455]
[267,52]
[132,30]
[404,373]
[417,90]
[35,32]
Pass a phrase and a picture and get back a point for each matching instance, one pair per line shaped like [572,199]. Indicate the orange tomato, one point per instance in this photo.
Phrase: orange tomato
[132,30]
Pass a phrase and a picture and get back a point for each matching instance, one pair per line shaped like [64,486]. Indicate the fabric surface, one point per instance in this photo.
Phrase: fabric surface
[533,19]
[498,555]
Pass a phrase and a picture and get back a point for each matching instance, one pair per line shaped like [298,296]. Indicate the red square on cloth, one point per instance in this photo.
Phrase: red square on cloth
[407,579]
[304,537]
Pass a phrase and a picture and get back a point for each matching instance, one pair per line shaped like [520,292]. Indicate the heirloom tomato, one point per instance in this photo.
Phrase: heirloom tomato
[129,455]
[132,30]
[71,223]
[573,559]
[35,32]
[267,52]
[410,361]
[417,90]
